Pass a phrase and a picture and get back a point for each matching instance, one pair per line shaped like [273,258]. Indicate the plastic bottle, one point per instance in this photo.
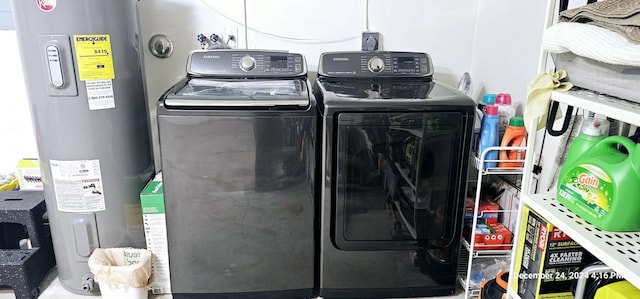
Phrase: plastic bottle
[593,130]
[505,110]
[487,99]
[601,185]
[489,136]
[516,136]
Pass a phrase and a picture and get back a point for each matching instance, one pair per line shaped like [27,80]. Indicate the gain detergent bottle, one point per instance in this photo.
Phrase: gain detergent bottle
[602,184]
[591,132]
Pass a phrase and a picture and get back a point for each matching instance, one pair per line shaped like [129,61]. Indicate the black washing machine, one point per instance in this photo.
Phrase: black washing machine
[395,155]
[237,139]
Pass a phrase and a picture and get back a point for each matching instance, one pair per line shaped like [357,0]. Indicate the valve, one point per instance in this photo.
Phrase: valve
[203,40]
[88,283]
[214,38]
[215,42]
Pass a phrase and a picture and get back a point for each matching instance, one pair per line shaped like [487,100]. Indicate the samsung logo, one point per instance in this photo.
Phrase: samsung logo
[340,58]
[211,56]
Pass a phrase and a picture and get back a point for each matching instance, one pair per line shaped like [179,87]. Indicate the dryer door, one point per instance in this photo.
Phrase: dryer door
[399,183]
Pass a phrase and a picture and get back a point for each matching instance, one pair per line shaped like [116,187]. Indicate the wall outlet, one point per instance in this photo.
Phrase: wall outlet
[370,41]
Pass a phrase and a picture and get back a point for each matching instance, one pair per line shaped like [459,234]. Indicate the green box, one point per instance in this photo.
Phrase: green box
[152,197]
[155,232]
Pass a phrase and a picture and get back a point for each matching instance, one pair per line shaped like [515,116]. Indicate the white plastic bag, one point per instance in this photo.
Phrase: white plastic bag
[121,272]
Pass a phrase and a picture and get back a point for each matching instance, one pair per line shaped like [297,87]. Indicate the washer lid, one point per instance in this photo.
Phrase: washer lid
[200,92]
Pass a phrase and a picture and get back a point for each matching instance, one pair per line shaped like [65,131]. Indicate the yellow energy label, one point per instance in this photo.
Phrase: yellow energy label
[94,57]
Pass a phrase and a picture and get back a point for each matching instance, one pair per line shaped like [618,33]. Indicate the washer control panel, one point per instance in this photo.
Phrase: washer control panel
[375,64]
[245,63]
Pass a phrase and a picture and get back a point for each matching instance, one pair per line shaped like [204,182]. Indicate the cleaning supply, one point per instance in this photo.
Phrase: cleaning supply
[601,185]
[487,99]
[505,110]
[593,130]
[489,136]
[515,136]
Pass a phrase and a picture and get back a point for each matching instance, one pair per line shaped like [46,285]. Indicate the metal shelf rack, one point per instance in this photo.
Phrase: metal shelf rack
[620,251]
[470,251]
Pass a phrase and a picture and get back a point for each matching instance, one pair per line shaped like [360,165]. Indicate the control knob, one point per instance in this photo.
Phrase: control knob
[247,63]
[375,64]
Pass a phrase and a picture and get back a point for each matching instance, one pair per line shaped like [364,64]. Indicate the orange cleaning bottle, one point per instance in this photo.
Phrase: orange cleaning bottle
[516,136]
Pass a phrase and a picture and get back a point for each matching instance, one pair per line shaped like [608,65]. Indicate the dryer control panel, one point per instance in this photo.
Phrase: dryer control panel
[375,64]
[245,64]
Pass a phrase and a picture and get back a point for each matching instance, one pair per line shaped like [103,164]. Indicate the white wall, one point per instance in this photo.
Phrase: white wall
[16,130]
[6,19]
[506,47]
[444,29]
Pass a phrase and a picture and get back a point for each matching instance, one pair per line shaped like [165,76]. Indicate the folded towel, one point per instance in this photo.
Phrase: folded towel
[622,16]
[539,96]
[592,42]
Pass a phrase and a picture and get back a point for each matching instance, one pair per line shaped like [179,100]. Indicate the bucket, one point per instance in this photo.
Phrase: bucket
[121,272]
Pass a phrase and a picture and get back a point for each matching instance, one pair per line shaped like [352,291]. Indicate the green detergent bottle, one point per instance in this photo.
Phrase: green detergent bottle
[602,184]
[591,132]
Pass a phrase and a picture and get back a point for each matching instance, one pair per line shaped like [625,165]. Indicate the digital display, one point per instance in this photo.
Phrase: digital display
[279,62]
[406,63]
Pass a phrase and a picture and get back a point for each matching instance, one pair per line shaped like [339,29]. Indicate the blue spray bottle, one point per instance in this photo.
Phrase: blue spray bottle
[489,135]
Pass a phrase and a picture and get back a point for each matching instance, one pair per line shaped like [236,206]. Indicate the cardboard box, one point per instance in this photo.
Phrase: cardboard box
[548,260]
[487,211]
[29,175]
[509,202]
[493,236]
[155,232]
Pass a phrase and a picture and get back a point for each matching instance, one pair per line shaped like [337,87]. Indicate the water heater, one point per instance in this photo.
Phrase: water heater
[84,83]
